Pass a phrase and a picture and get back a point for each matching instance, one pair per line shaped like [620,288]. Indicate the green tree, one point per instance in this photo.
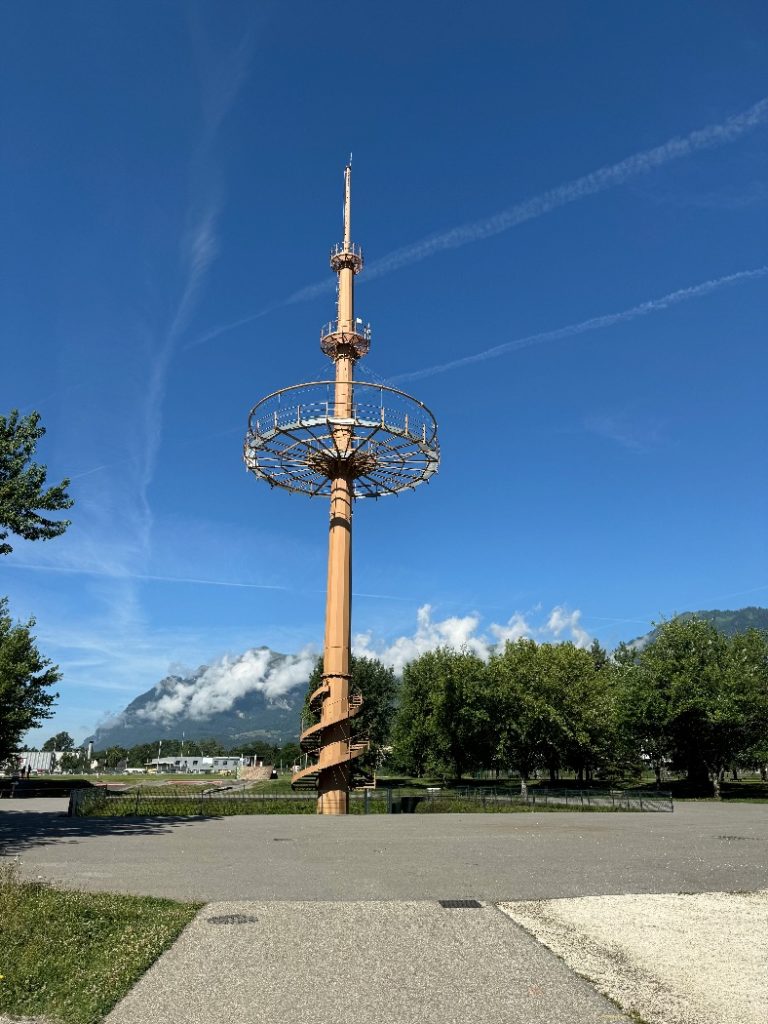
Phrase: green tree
[74,761]
[25,681]
[749,665]
[112,757]
[208,747]
[643,711]
[529,725]
[378,686]
[289,754]
[411,736]
[600,657]
[583,691]
[61,741]
[552,706]
[377,683]
[140,753]
[705,693]
[443,720]
[23,494]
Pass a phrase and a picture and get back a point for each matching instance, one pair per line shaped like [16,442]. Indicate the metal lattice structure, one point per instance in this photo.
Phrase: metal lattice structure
[388,444]
[342,439]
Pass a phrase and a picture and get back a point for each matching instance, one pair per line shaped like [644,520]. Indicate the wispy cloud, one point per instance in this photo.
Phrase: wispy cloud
[222,78]
[636,434]
[600,180]
[593,324]
[197,252]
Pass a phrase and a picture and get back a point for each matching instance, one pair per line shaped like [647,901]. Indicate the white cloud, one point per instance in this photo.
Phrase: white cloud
[451,632]
[515,629]
[464,632]
[561,621]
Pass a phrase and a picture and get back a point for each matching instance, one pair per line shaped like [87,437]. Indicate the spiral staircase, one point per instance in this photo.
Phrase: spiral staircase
[312,739]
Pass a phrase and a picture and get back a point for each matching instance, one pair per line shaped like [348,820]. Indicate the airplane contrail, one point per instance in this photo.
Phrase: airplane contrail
[150,578]
[589,184]
[593,324]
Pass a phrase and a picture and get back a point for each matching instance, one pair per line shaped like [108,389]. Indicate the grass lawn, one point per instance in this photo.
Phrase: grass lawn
[167,801]
[69,956]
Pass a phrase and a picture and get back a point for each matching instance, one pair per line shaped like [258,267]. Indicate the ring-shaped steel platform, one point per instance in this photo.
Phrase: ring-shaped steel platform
[388,445]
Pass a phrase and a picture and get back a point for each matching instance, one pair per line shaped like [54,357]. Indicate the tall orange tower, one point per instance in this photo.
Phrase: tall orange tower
[344,439]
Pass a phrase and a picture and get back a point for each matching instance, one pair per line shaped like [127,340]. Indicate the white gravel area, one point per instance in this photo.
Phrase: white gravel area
[672,959]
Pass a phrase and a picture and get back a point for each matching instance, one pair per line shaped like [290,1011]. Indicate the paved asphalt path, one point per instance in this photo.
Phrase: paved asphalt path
[360,963]
[361,893]
[700,847]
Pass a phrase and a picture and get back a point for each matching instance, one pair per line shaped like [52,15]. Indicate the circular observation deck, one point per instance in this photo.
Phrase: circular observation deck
[388,445]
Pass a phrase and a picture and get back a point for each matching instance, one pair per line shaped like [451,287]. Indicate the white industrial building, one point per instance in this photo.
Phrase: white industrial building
[40,762]
[193,764]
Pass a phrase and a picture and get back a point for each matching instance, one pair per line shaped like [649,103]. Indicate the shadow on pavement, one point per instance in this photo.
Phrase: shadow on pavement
[22,830]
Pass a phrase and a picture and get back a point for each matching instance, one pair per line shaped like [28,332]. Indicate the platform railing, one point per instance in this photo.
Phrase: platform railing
[340,249]
[360,328]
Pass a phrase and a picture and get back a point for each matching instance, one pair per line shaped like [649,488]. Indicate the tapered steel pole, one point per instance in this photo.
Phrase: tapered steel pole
[334,761]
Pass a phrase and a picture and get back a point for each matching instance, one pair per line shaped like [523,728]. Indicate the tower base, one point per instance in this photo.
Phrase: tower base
[333,790]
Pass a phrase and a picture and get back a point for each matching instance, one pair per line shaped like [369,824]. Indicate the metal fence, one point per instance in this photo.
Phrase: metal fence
[177,801]
[602,799]
[490,799]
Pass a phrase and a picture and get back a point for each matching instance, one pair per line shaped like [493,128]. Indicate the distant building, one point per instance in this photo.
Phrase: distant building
[200,765]
[40,762]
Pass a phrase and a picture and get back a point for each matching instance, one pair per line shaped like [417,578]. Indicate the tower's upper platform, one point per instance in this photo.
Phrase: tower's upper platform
[346,255]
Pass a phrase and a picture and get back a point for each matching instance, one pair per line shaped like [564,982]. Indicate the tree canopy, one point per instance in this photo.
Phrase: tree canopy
[443,720]
[23,492]
[698,698]
[378,685]
[25,681]
[692,700]
[61,741]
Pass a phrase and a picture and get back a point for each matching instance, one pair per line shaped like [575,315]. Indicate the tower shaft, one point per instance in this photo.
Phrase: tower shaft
[334,761]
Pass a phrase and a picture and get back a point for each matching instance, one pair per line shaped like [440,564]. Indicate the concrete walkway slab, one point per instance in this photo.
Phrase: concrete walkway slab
[672,959]
[362,962]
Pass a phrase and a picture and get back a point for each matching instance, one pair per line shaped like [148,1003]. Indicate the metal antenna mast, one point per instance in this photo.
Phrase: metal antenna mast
[344,439]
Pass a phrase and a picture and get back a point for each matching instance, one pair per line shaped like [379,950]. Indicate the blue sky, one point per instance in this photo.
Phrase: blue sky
[531,180]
